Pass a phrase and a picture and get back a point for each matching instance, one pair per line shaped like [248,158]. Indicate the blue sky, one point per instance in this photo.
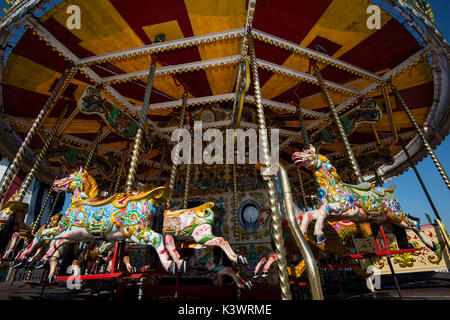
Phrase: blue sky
[409,191]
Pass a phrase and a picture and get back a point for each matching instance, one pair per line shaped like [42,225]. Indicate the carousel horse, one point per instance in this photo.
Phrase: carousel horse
[356,203]
[339,236]
[217,266]
[12,217]
[266,262]
[127,217]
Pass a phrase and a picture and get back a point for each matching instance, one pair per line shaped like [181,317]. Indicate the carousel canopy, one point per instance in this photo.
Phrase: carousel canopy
[202,53]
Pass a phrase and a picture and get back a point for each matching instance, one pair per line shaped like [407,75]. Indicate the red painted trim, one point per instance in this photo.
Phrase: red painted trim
[379,253]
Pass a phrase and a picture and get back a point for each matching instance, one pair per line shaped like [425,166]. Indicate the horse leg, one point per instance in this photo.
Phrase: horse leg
[54,257]
[9,253]
[319,215]
[156,240]
[408,223]
[203,235]
[35,243]
[306,220]
[272,259]
[258,266]
[171,248]
[241,283]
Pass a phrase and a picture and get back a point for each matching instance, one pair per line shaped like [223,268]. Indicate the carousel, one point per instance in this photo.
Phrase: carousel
[119,172]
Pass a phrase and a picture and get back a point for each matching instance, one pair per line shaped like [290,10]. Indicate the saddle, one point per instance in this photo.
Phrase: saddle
[365,186]
[120,200]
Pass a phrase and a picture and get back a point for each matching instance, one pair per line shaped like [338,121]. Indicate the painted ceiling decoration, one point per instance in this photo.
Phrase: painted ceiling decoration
[202,52]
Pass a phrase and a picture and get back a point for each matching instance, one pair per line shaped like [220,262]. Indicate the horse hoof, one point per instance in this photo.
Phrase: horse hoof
[17,264]
[320,238]
[434,246]
[248,285]
[265,274]
[241,260]
[172,268]
[52,279]
[183,267]
[40,264]
[10,256]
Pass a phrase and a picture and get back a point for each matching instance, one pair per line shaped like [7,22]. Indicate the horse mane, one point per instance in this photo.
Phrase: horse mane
[90,187]
[333,170]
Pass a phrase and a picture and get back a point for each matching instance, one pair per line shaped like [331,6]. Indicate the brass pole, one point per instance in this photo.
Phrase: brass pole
[173,171]
[51,213]
[161,164]
[35,225]
[424,188]
[48,107]
[121,172]
[93,149]
[305,136]
[142,121]
[236,218]
[311,264]
[277,231]
[306,143]
[338,123]
[48,141]
[388,104]
[187,181]
[422,137]
[302,190]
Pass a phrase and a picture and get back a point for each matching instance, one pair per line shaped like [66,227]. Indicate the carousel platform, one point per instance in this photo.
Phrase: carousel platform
[414,286]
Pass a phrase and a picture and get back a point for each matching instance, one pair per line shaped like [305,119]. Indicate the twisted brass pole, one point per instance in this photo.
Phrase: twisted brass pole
[93,149]
[161,164]
[338,123]
[48,141]
[187,183]
[387,102]
[236,218]
[48,107]
[51,213]
[305,136]
[176,151]
[121,172]
[277,231]
[306,144]
[424,188]
[427,146]
[35,225]
[142,120]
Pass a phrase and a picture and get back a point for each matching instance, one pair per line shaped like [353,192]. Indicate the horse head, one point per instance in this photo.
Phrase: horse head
[307,158]
[78,180]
